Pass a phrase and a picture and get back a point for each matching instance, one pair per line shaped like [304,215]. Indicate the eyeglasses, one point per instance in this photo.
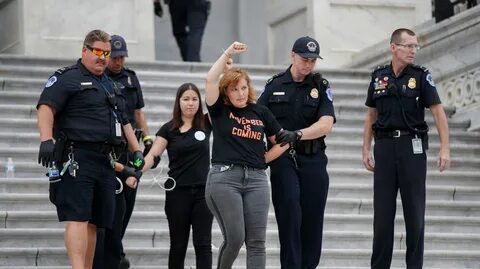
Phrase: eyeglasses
[409,46]
[99,52]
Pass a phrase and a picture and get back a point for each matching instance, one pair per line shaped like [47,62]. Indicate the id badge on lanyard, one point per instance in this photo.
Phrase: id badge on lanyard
[417,145]
[118,128]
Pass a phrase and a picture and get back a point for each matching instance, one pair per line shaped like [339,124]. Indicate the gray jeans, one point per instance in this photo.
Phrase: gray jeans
[239,197]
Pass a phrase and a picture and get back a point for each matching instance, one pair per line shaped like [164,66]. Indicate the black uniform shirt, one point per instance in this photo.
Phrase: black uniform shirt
[83,110]
[130,87]
[413,89]
[297,105]
[238,133]
[188,153]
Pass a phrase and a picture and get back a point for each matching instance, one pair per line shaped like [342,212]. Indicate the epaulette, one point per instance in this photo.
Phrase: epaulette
[416,66]
[380,67]
[65,69]
[274,77]
[129,70]
[320,81]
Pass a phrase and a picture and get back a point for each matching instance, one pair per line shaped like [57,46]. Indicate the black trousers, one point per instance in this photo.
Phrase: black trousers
[189,18]
[109,247]
[185,207]
[299,197]
[397,168]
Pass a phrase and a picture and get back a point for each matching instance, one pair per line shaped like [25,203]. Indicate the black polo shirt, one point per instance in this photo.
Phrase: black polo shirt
[130,87]
[297,105]
[413,89]
[83,104]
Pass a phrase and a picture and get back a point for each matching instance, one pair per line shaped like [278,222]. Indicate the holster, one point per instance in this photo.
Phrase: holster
[309,147]
[59,149]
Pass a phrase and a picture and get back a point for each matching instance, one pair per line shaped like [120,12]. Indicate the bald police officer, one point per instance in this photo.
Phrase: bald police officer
[79,109]
[397,97]
[301,101]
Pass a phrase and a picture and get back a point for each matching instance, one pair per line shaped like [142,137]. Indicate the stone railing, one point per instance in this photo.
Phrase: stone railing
[462,90]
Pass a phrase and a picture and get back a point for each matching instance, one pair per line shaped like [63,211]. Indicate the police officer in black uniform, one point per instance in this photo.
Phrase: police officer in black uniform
[189,18]
[81,109]
[302,101]
[397,97]
[109,252]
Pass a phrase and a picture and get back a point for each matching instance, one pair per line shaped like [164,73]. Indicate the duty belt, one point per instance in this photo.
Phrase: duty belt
[392,134]
[100,147]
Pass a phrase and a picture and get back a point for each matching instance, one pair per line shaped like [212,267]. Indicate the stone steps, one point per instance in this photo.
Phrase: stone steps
[155,256]
[159,238]
[333,222]
[30,223]
[153,202]
[451,192]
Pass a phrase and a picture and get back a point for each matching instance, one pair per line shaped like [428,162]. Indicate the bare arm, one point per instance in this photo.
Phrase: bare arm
[213,76]
[318,129]
[158,147]
[131,139]
[443,159]
[45,117]
[141,121]
[367,158]
[276,151]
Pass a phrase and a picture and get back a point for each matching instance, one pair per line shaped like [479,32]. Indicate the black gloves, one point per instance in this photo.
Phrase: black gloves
[130,172]
[288,137]
[138,161]
[156,161]
[148,143]
[46,153]
[157,9]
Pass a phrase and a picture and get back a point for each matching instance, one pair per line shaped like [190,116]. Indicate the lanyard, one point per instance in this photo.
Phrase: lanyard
[107,92]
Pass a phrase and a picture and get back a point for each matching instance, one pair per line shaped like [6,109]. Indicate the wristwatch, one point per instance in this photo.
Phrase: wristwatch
[299,134]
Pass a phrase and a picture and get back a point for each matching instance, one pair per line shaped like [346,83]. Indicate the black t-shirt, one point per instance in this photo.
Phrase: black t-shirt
[413,89]
[188,153]
[84,111]
[238,133]
[130,87]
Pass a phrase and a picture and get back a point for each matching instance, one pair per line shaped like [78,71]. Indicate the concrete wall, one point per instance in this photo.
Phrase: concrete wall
[240,20]
[269,27]
[55,28]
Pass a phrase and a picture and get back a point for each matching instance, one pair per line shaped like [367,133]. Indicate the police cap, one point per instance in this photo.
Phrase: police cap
[307,47]
[119,46]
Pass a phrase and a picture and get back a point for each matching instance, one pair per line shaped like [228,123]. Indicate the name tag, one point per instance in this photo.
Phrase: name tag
[417,146]
[89,83]
[278,93]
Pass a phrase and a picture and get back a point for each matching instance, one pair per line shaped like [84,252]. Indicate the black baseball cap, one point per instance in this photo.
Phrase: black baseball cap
[119,46]
[307,47]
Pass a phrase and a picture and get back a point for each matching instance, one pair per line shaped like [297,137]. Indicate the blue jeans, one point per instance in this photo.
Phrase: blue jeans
[239,197]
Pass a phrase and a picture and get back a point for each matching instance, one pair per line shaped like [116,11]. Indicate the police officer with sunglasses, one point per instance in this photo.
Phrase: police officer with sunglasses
[81,119]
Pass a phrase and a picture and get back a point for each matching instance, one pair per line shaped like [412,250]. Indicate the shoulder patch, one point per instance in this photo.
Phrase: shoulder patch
[416,66]
[65,69]
[129,70]
[274,77]
[51,81]
[380,67]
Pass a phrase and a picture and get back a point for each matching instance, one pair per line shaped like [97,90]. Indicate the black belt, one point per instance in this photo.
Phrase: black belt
[100,147]
[392,134]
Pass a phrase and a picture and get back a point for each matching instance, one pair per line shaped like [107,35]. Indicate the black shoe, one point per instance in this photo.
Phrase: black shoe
[124,263]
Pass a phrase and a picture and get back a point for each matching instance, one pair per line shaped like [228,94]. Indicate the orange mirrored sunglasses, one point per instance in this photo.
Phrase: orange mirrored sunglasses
[99,52]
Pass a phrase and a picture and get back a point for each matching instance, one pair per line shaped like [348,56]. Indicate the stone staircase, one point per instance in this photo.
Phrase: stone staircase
[31,236]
